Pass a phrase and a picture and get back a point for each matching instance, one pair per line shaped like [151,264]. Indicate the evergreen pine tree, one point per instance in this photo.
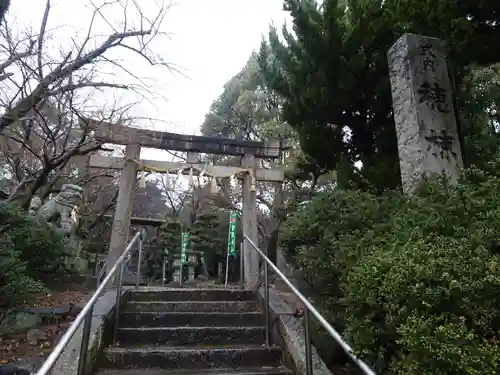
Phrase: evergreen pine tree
[170,242]
[331,72]
[205,239]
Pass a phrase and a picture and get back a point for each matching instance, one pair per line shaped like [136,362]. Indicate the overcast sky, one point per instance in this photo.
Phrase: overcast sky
[209,41]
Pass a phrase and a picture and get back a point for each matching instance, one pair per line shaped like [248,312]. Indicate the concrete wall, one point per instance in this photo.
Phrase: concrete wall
[102,326]
[332,353]
[288,332]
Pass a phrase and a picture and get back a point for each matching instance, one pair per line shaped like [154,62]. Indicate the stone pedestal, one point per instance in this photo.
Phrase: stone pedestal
[424,111]
[75,261]
[192,261]
[78,265]
[220,270]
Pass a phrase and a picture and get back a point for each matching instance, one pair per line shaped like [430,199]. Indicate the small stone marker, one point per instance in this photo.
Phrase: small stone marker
[424,114]
[35,336]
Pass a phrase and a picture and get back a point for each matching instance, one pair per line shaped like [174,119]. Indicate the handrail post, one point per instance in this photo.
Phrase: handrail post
[84,348]
[307,339]
[139,261]
[266,301]
[98,280]
[118,302]
[163,269]
[242,271]
[181,272]
[97,271]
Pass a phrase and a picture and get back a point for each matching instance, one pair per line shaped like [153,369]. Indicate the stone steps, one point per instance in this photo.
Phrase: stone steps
[216,371]
[190,335]
[204,295]
[193,332]
[191,358]
[187,306]
[182,319]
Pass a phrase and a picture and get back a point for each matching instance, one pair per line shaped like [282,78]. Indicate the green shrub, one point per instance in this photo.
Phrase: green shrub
[15,286]
[415,282]
[428,301]
[38,244]
[330,234]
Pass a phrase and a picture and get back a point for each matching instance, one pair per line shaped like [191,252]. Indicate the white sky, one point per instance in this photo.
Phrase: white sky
[209,40]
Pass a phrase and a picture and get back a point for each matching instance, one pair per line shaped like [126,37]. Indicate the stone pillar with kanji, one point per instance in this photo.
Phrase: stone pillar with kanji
[424,112]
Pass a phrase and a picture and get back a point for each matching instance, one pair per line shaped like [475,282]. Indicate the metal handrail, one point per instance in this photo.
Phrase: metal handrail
[86,313]
[308,308]
[101,273]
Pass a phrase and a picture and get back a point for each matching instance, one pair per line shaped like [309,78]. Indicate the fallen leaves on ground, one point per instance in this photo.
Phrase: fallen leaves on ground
[16,347]
[59,298]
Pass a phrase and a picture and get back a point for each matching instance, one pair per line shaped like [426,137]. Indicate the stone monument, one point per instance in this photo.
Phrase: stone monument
[64,206]
[424,112]
[191,263]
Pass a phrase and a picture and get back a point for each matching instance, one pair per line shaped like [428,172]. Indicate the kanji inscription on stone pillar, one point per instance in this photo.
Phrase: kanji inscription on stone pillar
[424,113]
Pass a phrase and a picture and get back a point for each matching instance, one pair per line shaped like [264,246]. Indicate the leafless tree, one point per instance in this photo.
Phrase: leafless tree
[176,195]
[45,97]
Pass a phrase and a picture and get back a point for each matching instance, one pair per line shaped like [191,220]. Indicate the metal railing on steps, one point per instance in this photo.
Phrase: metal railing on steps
[308,310]
[85,315]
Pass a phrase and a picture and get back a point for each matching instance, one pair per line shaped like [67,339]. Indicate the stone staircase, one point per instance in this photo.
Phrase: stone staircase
[191,331]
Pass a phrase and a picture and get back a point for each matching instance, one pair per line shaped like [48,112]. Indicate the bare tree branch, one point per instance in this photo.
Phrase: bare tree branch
[45,99]
[52,77]
[73,87]
[41,36]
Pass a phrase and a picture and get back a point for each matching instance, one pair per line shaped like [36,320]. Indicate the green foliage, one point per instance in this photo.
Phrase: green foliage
[36,243]
[332,74]
[205,239]
[244,110]
[31,252]
[413,282]
[247,110]
[480,106]
[331,233]
[170,235]
[15,285]
[170,244]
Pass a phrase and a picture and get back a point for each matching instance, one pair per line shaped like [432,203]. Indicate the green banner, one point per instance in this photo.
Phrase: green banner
[231,244]
[184,247]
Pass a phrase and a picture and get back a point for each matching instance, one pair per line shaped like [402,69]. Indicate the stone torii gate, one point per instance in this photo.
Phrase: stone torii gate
[135,138]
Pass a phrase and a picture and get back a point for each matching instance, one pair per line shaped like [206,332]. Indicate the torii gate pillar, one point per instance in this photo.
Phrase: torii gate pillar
[250,255]
[124,204]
